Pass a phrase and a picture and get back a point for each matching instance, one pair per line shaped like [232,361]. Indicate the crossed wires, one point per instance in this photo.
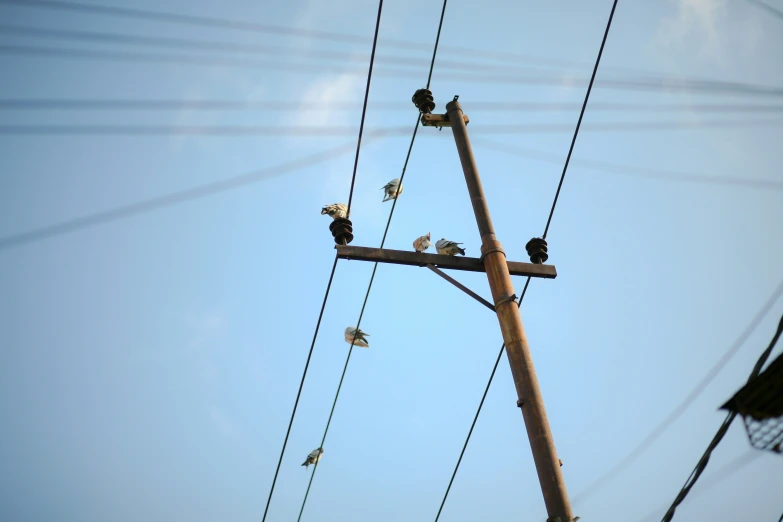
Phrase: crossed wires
[375,266]
[546,230]
[677,412]
[724,427]
[331,278]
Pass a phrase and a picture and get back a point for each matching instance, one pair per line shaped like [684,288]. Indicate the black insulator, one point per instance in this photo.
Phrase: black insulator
[537,250]
[424,101]
[342,230]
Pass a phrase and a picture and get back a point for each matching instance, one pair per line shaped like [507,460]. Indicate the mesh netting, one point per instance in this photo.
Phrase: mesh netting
[766,434]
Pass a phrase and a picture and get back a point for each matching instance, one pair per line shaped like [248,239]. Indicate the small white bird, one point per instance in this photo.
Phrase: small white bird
[336,210]
[422,244]
[361,341]
[392,189]
[448,248]
[313,457]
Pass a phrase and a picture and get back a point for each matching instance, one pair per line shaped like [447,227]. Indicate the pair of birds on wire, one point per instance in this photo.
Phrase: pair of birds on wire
[391,191]
[340,210]
[358,338]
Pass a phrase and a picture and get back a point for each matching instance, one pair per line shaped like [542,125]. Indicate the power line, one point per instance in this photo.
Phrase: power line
[774,11]
[294,105]
[301,384]
[107,130]
[579,121]
[606,166]
[364,107]
[702,464]
[524,291]
[213,46]
[375,266]
[721,474]
[187,19]
[706,87]
[478,412]
[320,316]
[677,412]
[168,200]
[209,189]
[223,23]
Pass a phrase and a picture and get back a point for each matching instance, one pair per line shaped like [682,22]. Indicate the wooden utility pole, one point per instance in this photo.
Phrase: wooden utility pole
[499,271]
[529,394]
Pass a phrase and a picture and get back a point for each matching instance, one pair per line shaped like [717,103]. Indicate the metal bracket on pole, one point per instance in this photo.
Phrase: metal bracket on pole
[462,287]
[439,120]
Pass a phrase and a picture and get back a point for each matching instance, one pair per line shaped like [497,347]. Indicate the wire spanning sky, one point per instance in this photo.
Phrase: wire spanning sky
[152,341]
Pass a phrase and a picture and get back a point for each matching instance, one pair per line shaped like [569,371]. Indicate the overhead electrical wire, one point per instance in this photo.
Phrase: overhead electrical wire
[704,87]
[724,427]
[212,46]
[774,11]
[334,266]
[162,104]
[109,130]
[253,27]
[677,412]
[527,282]
[375,265]
[242,25]
[718,476]
[630,170]
[152,204]
[169,200]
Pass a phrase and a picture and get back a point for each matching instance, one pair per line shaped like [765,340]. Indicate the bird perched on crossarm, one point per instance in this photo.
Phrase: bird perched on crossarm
[336,210]
[449,248]
[422,243]
[355,333]
[392,189]
[313,457]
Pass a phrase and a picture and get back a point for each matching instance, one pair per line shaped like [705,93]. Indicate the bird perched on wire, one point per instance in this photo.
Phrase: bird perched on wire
[449,248]
[392,189]
[422,244]
[313,457]
[336,210]
[359,336]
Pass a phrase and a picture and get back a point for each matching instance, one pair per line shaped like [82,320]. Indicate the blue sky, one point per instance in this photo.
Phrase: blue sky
[148,366]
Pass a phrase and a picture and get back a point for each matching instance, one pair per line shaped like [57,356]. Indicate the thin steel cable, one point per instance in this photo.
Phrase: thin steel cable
[241,25]
[364,106]
[579,121]
[524,291]
[301,385]
[705,458]
[437,39]
[726,471]
[677,412]
[211,46]
[478,412]
[163,104]
[312,345]
[305,131]
[374,269]
[705,87]
[775,12]
[168,200]
[630,170]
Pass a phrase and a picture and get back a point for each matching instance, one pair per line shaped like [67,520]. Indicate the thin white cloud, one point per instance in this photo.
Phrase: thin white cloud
[697,19]
[314,106]
[709,30]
